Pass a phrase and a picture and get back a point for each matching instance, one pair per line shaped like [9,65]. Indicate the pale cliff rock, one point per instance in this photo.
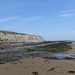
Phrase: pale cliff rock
[18,36]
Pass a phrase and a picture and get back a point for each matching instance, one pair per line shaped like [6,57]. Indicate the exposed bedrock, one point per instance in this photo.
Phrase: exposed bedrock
[18,36]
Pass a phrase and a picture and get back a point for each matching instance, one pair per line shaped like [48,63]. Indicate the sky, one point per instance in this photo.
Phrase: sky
[51,19]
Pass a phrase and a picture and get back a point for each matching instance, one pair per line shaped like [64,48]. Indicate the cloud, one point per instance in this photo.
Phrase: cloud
[64,15]
[22,19]
[67,13]
[33,18]
[14,5]
[8,19]
[64,11]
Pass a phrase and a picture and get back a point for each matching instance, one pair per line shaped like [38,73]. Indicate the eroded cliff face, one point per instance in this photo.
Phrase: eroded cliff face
[19,36]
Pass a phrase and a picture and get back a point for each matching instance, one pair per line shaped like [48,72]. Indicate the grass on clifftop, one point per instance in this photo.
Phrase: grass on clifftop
[10,32]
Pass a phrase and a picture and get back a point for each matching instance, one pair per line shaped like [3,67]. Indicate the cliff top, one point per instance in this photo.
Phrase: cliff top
[10,32]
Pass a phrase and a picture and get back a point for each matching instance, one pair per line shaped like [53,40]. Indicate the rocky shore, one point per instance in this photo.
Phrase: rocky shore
[16,51]
[26,61]
[29,66]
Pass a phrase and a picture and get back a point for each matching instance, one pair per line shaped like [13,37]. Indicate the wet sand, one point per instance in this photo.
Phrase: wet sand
[27,66]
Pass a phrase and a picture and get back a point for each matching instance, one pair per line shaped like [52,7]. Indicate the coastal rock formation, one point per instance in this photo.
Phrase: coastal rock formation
[18,36]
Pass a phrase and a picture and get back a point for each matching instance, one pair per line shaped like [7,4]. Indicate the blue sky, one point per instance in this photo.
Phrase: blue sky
[51,19]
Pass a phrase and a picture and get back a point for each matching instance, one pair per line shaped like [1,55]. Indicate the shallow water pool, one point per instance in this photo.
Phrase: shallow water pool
[63,56]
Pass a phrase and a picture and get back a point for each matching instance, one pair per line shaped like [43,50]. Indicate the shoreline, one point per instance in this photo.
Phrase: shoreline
[26,66]
[48,50]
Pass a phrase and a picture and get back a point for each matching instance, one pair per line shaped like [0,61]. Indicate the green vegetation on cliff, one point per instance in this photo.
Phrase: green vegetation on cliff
[10,32]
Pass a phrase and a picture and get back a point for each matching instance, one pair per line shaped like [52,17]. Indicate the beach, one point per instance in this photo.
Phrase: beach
[26,66]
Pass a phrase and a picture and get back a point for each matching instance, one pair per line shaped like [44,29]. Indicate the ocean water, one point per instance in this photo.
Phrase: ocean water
[62,56]
[73,42]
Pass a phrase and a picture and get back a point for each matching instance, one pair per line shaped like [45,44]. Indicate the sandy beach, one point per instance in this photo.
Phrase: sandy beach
[26,66]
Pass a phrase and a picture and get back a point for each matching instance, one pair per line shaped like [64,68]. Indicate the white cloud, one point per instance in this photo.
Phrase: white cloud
[64,15]
[67,13]
[8,19]
[20,18]
[63,11]
[14,5]
[33,18]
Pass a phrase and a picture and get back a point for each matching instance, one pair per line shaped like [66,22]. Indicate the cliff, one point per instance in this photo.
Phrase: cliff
[18,36]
